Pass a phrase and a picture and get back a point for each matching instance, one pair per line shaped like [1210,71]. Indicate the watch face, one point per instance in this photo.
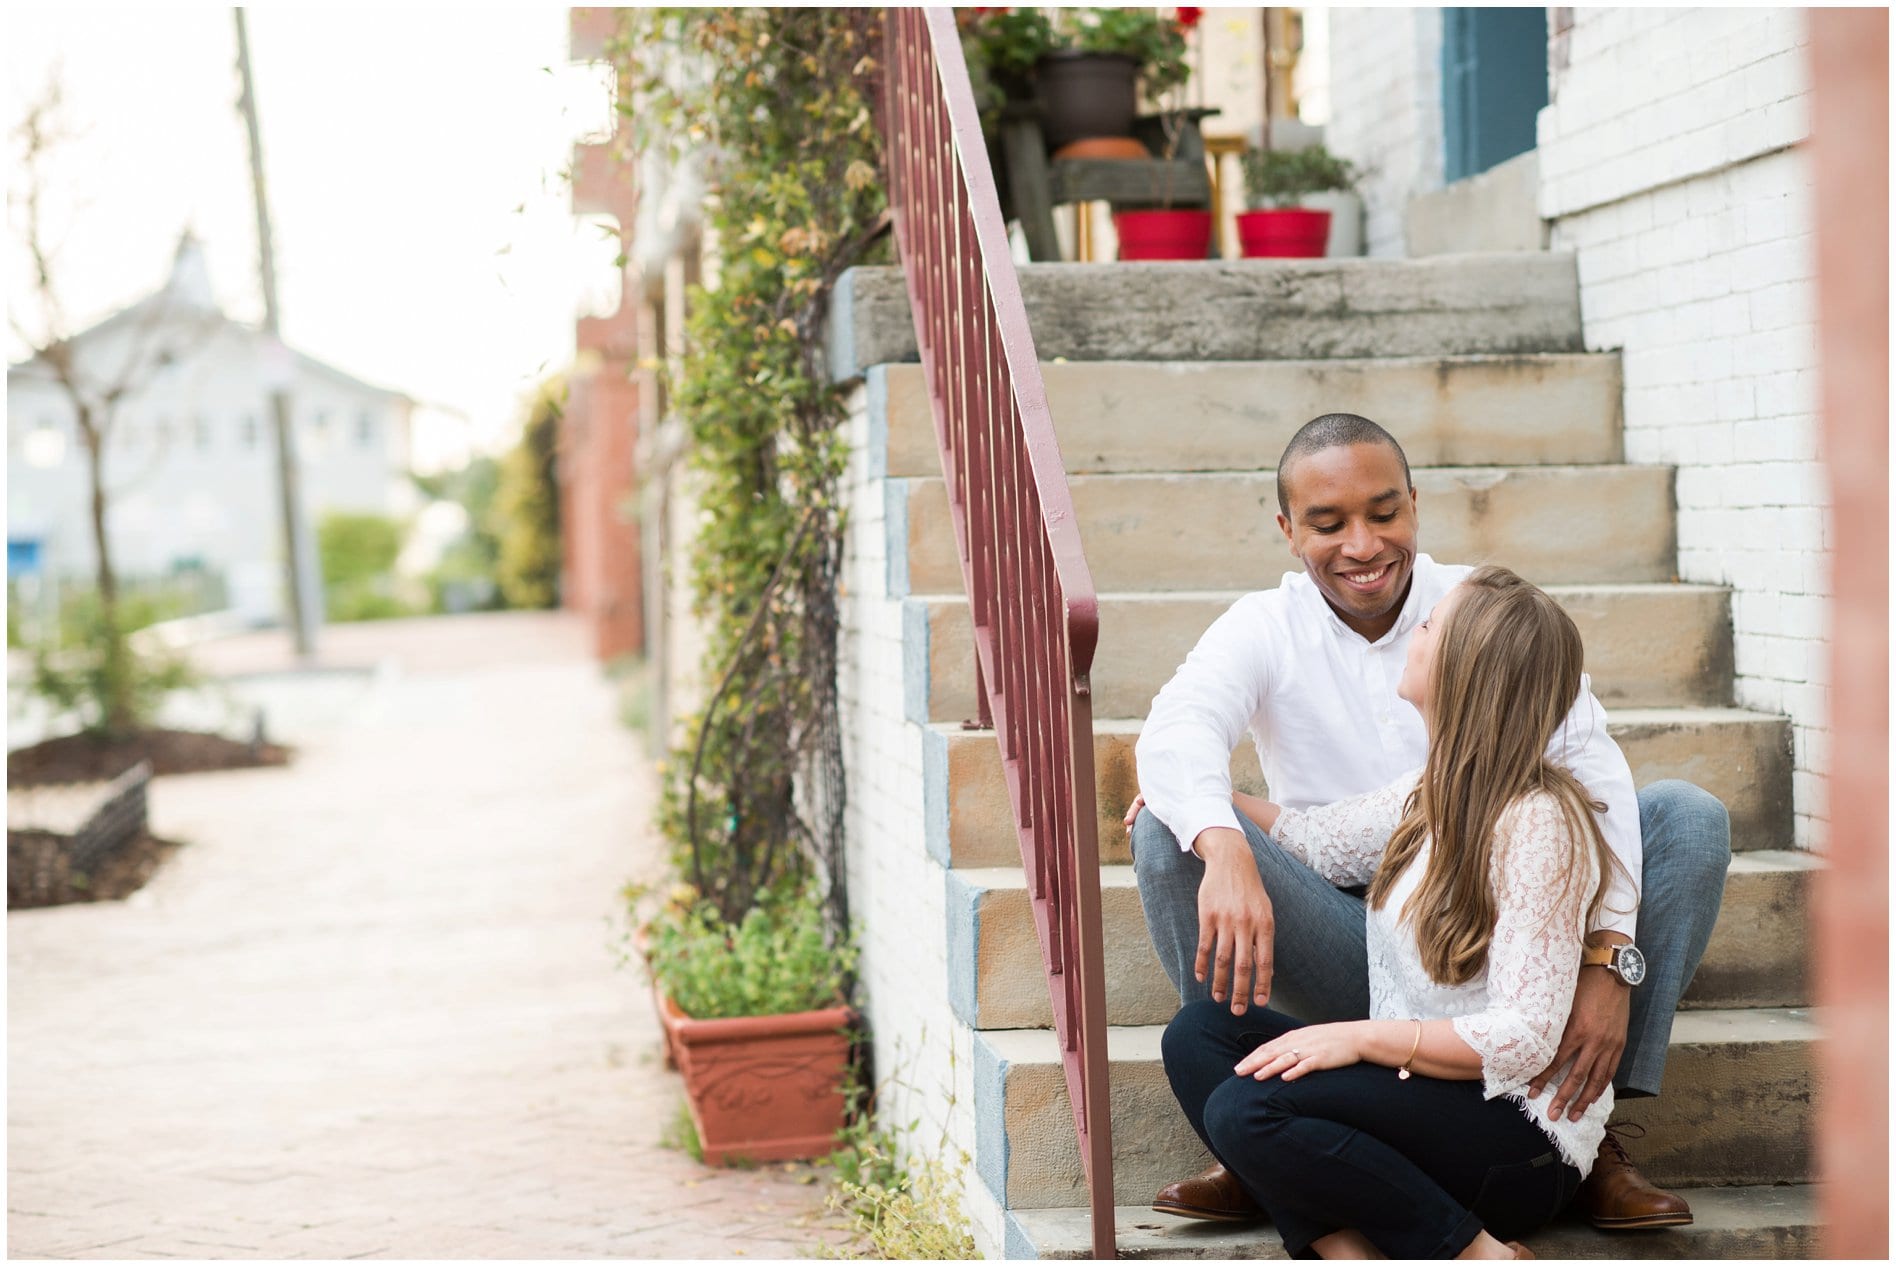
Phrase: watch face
[1632,965]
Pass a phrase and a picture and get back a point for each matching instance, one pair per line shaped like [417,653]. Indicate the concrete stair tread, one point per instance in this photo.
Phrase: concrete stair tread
[1511,303]
[1754,958]
[1229,596]
[1120,875]
[1628,716]
[1127,1043]
[1147,530]
[1740,1083]
[1765,1221]
[1454,409]
[1651,644]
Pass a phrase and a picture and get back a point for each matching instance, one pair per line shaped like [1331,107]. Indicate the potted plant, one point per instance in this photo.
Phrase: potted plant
[1087,67]
[756,1021]
[1277,184]
[1164,232]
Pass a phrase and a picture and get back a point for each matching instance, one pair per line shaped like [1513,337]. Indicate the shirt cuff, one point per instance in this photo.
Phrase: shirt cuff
[1199,816]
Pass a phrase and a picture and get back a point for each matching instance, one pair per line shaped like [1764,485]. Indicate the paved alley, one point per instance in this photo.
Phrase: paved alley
[373,1009]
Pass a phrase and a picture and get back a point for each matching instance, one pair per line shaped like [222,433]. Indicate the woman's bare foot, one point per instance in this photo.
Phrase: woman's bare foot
[1348,1243]
[1485,1246]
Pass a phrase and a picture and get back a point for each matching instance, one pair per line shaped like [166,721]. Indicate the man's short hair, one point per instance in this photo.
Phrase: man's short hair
[1329,432]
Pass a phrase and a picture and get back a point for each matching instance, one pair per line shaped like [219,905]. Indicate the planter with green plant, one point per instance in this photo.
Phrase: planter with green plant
[755,1020]
[1276,185]
[1086,67]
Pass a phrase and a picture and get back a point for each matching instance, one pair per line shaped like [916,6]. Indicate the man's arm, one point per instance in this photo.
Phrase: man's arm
[1595,1034]
[1184,760]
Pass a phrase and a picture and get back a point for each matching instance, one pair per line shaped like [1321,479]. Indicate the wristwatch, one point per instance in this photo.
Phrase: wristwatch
[1624,962]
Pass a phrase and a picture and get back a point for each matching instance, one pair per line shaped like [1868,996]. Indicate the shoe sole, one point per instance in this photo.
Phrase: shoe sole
[1642,1222]
[1209,1216]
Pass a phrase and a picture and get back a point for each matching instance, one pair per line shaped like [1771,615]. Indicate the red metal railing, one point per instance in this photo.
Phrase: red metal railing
[1036,616]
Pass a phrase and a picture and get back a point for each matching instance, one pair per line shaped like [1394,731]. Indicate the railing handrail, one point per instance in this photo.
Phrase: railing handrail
[1035,611]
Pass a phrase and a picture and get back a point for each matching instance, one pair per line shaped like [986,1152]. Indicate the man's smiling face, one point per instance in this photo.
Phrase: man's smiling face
[1353,524]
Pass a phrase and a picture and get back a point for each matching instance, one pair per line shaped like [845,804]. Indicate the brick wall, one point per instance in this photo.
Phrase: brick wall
[923,1054]
[1386,111]
[1668,166]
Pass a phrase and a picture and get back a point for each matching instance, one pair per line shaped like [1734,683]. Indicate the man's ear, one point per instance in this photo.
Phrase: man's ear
[1283,526]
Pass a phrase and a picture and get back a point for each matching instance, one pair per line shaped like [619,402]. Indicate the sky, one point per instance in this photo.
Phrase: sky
[414,159]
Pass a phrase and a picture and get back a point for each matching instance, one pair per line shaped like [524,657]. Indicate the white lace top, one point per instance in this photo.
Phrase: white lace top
[1513,1013]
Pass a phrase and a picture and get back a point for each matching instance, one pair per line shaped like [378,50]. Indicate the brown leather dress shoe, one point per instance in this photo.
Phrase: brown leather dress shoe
[1616,1197]
[1216,1194]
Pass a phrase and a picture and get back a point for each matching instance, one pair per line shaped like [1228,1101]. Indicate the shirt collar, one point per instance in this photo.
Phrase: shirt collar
[1415,607]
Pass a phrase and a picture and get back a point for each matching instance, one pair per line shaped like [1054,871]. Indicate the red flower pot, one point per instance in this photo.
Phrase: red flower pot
[762,1088]
[1283,233]
[1163,235]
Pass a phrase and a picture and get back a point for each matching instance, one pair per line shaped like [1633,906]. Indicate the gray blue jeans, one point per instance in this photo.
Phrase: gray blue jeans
[1321,971]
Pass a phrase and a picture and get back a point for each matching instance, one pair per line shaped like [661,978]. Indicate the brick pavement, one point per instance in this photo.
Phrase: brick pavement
[372,1010]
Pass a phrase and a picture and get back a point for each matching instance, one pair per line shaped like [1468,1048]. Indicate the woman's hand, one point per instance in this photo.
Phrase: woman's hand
[1132,810]
[1305,1050]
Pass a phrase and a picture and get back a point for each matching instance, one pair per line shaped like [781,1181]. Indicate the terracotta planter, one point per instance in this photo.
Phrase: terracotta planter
[1283,233]
[1163,235]
[762,1088]
[1086,94]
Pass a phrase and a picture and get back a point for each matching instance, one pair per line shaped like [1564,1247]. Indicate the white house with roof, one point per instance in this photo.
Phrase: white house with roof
[190,460]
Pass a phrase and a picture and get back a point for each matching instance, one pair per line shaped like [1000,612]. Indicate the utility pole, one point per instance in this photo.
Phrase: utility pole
[297,545]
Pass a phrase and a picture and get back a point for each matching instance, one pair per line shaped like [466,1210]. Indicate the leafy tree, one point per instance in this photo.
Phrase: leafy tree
[97,377]
[525,518]
[358,554]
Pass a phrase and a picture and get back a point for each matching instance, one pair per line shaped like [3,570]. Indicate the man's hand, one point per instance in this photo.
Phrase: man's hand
[1594,1038]
[1235,924]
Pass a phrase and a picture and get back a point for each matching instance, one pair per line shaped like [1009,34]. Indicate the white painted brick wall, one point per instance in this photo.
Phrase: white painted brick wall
[1386,113]
[923,1054]
[1664,167]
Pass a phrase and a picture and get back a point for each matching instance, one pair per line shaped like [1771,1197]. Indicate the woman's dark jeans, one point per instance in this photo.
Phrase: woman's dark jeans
[1419,1166]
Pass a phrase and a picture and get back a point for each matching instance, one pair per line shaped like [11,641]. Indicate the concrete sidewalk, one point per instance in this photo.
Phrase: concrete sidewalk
[372,1010]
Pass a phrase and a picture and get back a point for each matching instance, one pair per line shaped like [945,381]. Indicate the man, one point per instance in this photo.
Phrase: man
[1310,670]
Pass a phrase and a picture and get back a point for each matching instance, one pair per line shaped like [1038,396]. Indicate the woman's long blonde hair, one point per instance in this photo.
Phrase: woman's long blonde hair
[1506,673]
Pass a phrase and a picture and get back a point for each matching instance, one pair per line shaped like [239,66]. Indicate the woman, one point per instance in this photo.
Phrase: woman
[1411,1135]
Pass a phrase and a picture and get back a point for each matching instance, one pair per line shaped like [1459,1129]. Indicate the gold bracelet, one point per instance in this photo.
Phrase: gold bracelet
[1402,1070]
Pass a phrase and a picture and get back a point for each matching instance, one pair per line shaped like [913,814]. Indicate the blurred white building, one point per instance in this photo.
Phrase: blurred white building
[190,464]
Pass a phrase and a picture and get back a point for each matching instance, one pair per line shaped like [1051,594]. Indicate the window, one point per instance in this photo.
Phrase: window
[247,432]
[365,430]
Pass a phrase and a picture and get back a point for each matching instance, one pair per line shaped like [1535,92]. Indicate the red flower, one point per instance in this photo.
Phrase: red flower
[1188,16]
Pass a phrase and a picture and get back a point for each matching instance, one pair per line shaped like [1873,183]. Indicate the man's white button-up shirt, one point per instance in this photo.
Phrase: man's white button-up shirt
[1320,704]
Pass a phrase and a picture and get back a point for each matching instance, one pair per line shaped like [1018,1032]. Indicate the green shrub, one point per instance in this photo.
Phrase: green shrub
[525,516]
[84,671]
[358,554]
[777,959]
[1280,178]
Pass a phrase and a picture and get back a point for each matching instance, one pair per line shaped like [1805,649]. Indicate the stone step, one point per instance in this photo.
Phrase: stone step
[1763,1221]
[1648,646]
[1742,758]
[1218,530]
[995,979]
[1736,1110]
[1446,411]
[1249,310]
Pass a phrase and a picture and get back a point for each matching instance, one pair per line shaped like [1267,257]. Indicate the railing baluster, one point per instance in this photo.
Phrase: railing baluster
[1031,599]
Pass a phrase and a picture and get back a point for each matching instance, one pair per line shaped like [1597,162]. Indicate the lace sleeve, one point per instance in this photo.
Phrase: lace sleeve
[1344,842]
[1534,959]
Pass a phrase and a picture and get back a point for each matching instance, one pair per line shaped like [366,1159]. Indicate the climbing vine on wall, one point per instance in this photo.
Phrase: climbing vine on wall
[778,105]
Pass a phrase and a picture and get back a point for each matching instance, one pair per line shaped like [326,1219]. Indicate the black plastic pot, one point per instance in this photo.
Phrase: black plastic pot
[1086,94]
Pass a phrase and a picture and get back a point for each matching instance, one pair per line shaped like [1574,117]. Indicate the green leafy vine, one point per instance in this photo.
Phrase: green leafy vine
[777,105]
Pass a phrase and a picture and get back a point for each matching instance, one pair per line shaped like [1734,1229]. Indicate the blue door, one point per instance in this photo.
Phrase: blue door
[1494,83]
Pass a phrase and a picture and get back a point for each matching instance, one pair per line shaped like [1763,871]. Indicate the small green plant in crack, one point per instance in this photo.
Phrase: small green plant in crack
[681,1134]
[898,1209]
